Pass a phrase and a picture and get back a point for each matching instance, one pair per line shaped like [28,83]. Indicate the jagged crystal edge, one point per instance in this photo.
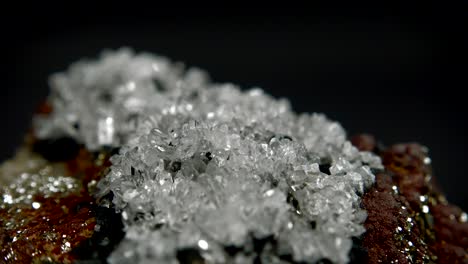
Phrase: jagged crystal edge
[206,166]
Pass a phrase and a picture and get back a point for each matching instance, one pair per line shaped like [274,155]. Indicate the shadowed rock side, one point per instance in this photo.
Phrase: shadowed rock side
[409,221]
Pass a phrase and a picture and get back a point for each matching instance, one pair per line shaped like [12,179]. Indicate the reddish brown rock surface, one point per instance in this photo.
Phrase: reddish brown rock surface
[47,234]
[48,228]
[408,220]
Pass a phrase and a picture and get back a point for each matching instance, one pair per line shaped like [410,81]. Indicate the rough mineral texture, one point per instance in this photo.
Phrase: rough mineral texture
[46,210]
[135,159]
[408,220]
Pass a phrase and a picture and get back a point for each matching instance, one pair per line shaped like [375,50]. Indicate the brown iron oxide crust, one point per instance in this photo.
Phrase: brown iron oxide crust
[409,221]
[51,233]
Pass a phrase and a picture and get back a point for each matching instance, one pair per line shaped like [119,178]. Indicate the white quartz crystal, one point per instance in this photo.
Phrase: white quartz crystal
[209,167]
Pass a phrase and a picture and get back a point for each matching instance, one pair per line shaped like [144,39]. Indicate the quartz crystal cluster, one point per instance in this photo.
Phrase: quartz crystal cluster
[207,170]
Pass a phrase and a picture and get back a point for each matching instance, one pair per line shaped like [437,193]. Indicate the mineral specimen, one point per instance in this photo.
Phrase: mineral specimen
[134,159]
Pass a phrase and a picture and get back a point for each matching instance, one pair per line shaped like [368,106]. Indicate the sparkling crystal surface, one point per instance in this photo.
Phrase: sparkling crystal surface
[208,169]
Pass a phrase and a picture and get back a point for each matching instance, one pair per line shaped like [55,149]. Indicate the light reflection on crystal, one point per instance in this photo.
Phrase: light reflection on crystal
[7,198]
[66,247]
[23,189]
[425,209]
[427,160]
[203,244]
[463,217]
[106,131]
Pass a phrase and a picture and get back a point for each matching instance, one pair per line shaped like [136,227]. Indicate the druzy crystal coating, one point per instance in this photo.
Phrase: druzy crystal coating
[208,168]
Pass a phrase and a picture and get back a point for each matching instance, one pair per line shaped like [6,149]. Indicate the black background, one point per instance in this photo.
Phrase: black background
[395,71]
